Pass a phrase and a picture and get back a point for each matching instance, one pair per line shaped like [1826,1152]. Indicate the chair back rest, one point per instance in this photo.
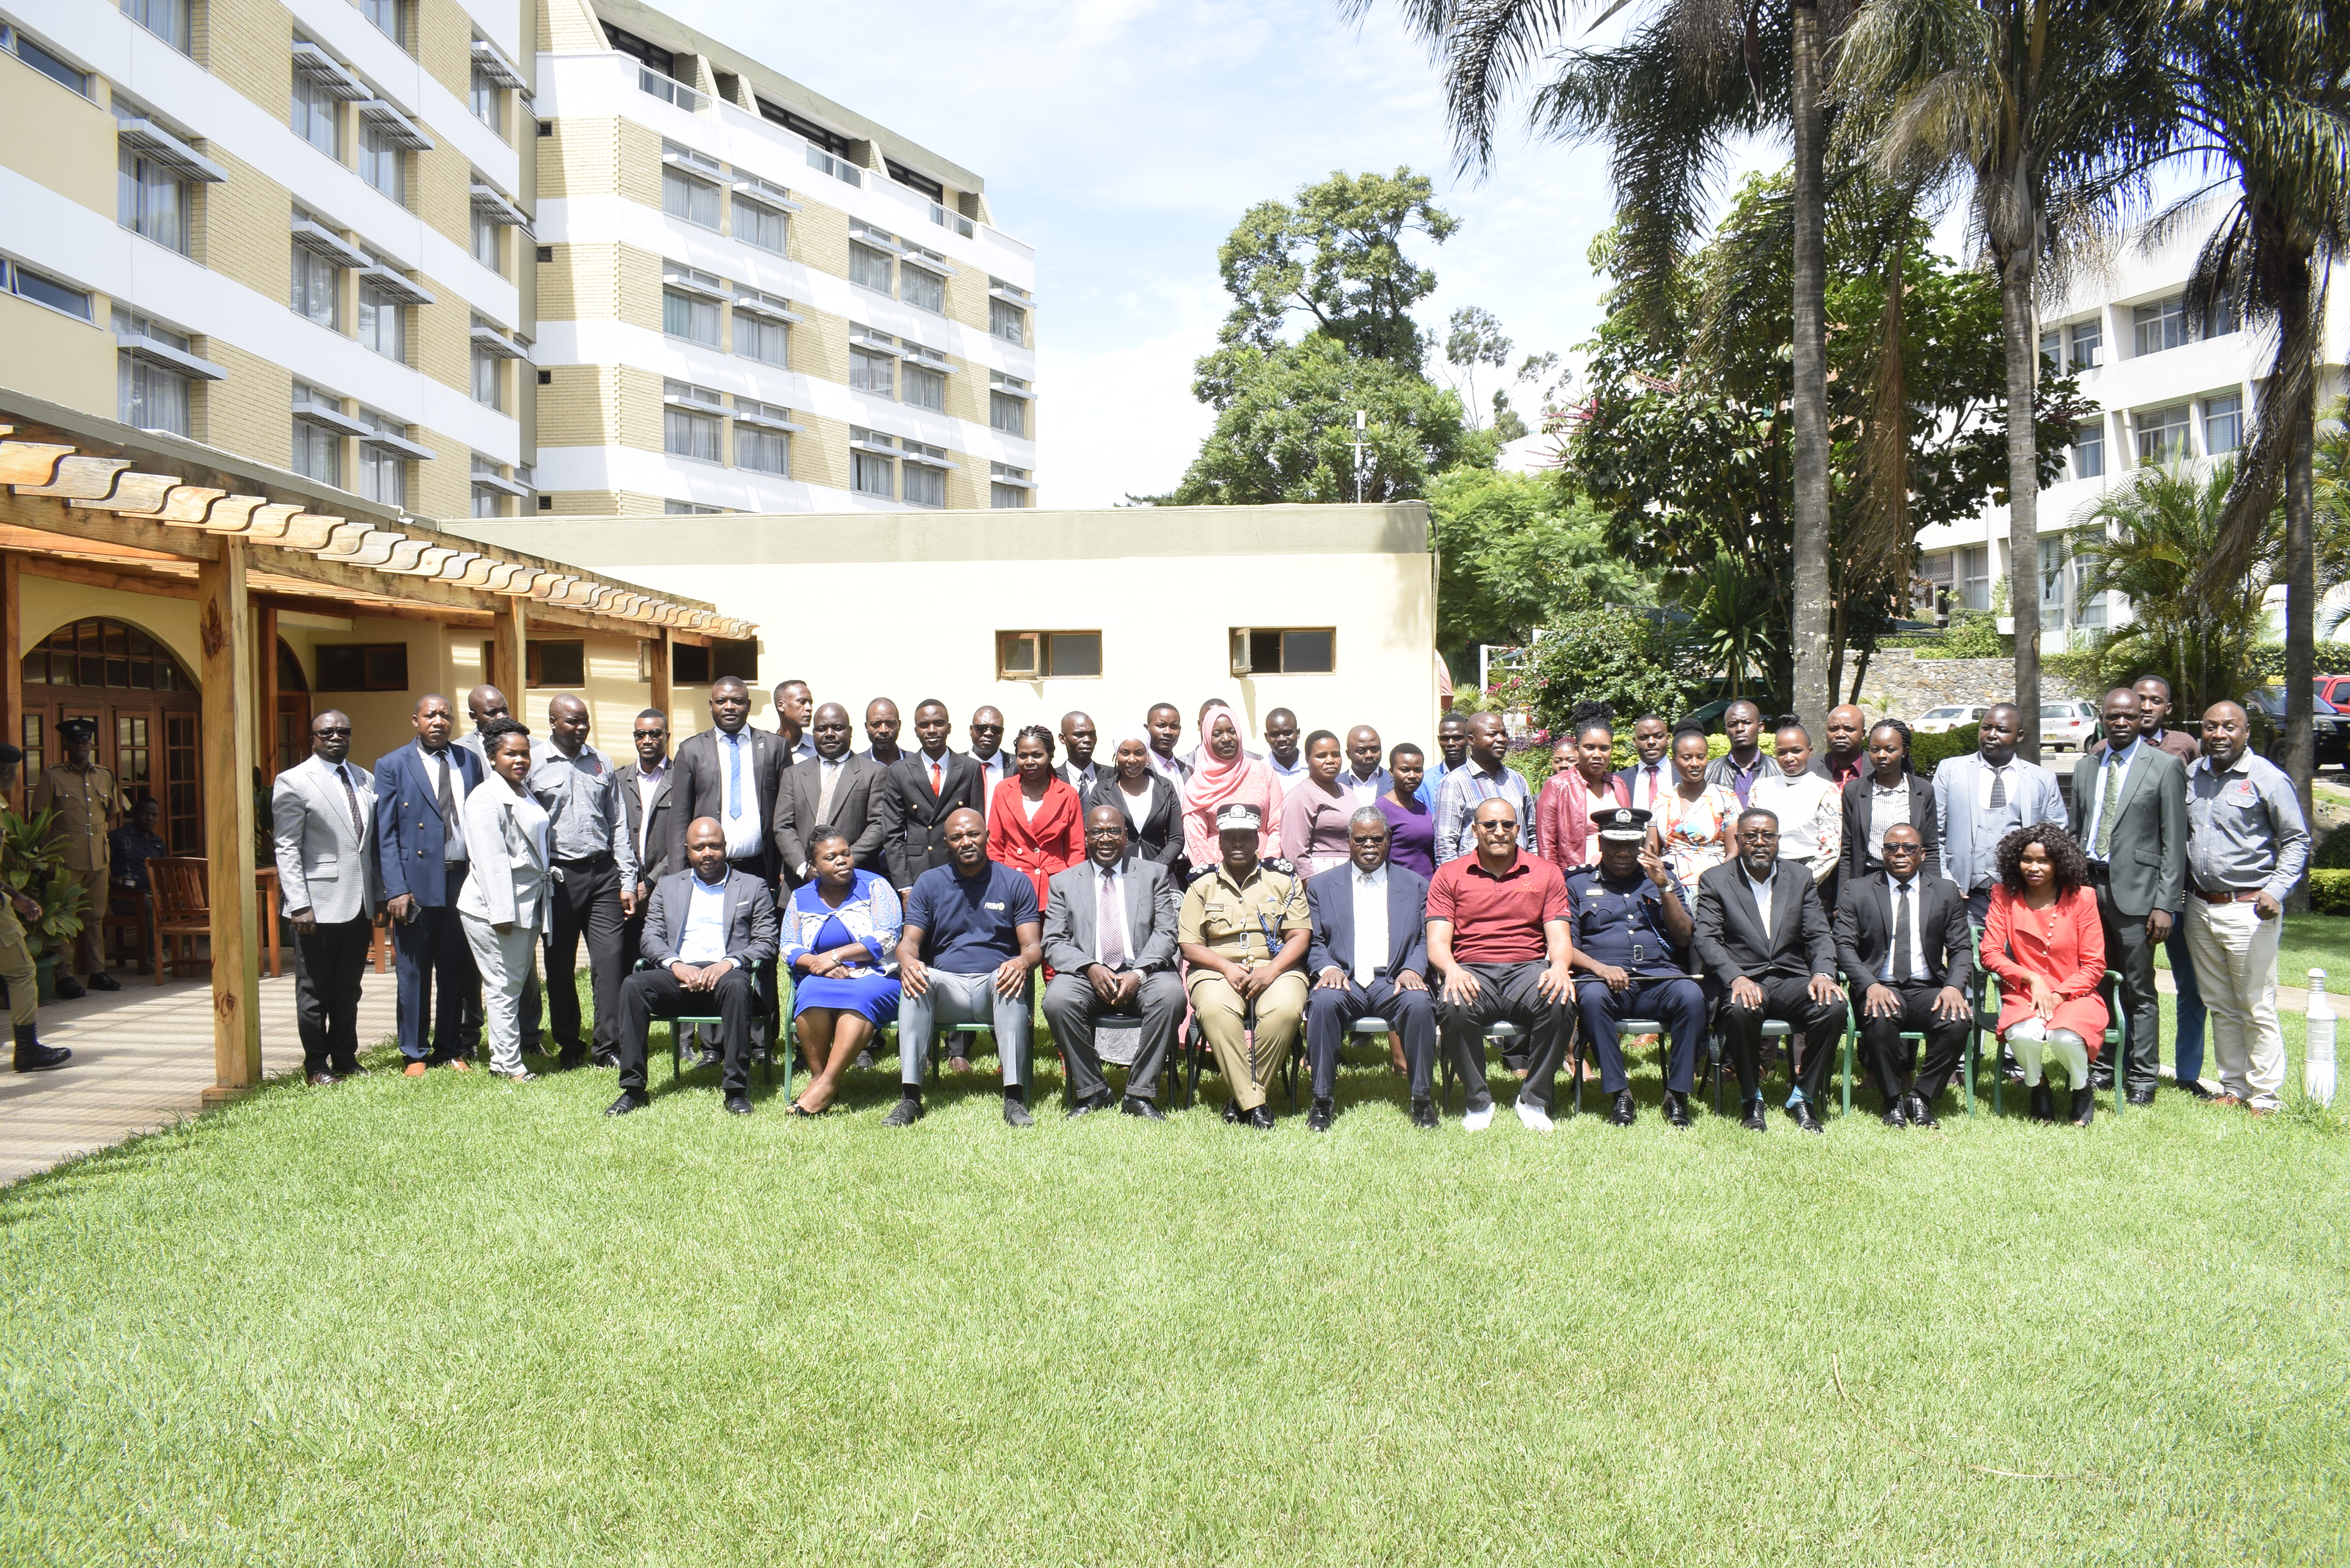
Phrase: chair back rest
[181,890]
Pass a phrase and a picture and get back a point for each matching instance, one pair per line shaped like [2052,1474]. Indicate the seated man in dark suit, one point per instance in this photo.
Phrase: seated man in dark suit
[1630,938]
[707,930]
[1110,937]
[1903,933]
[1763,939]
[1368,957]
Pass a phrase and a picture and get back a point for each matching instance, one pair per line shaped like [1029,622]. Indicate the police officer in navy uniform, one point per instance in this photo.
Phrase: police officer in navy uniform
[1631,939]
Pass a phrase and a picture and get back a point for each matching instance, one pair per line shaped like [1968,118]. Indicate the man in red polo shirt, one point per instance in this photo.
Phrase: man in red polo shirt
[1497,934]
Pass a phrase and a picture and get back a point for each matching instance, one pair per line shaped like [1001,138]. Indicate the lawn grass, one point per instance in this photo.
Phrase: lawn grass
[452,1321]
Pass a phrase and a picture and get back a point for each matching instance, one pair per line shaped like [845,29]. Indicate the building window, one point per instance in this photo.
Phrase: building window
[486,248]
[2160,326]
[683,196]
[362,666]
[487,101]
[41,60]
[383,474]
[382,327]
[555,663]
[689,317]
[1047,655]
[760,226]
[925,485]
[42,289]
[489,385]
[1974,576]
[2223,425]
[315,118]
[767,452]
[1008,488]
[2088,344]
[769,342]
[1007,415]
[922,288]
[2162,435]
[687,432]
[2089,449]
[688,508]
[167,19]
[870,473]
[912,181]
[925,388]
[317,291]
[869,267]
[1290,650]
[2053,557]
[318,452]
[2051,353]
[151,200]
[150,396]
[380,163]
[1007,321]
[872,372]
[385,17]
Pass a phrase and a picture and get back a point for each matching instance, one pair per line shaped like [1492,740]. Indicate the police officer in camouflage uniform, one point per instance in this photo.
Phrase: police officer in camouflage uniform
[87,803]
[16,959]
[1243,931]
[1631,942]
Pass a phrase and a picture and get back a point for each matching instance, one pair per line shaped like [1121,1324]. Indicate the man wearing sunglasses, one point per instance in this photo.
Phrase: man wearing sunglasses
[331,887]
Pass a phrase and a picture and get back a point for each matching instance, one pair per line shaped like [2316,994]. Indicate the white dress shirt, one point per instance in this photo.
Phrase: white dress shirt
[1646,788]
[648,783]
[1761,891]
[991,772]
[1916,955]
[1361,792]
[1370,922]
[1982,786]
[703,939]
[2119,762]
[744,833]
[1293,774]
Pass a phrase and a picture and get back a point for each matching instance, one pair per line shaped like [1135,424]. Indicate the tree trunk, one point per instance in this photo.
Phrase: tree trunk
[1814,691]
[2023,491]
[1860,676]
[2301,619]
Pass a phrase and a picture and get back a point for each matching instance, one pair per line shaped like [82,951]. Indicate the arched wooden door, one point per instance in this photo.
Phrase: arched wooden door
[292,734]
[146,708]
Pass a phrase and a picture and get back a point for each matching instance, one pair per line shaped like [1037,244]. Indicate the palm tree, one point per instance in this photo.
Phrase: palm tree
[2050,111]
[2159,528]
[1694,78]
[2264,92]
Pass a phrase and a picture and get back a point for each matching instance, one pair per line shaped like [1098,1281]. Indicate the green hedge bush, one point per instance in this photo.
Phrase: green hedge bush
[2329,890]
[1926,751]
[2332,852]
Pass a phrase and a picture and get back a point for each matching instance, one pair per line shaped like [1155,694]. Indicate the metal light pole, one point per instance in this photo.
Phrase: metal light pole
[1361,445]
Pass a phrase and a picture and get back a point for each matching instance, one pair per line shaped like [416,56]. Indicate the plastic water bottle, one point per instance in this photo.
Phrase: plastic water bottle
[2317,1062]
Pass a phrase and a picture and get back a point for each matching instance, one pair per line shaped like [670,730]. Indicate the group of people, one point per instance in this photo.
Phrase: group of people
[1278,898]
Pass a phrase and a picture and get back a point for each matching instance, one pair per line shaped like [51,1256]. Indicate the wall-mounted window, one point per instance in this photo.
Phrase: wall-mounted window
[2163,435]
[756,224]
[386,16]
[756,337]
[683,194]
[1047,655]
[1007,321]
[167,19]
[1284,651]
[871,370]
[319,257]
[382,324]
[763,450]
[50,64]
[156,373]
[922,288]
[43,289]
[924,484]
[385,452]
[913,181]
[2089,448]
[1009,488]
[383,160]
[493,494]
[2223,425]
[2088,344]
[868,267]
[554,663]
[487,99]
[489,382]
[153,200]
[692,423]
[926,384]
[690,509]
[487,248]
[2161,325]
[322,85]
[690,303]
[317,435]
[362,666]
[873,464]
[1007,405]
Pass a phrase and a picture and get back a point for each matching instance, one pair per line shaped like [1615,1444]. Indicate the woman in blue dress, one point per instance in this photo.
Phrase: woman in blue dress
[840,940]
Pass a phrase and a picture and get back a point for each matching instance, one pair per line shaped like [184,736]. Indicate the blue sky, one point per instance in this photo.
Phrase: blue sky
[1124,138]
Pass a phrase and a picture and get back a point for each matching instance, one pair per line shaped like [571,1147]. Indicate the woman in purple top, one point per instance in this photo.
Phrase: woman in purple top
[1314,816]
[1411,828]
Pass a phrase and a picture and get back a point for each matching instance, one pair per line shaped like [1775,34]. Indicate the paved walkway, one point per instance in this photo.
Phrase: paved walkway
[143,1059]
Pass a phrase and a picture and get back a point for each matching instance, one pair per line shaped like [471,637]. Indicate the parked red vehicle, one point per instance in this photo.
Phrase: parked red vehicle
[2334,688]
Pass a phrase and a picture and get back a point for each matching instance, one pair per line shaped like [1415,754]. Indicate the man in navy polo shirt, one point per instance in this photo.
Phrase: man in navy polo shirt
[972,939]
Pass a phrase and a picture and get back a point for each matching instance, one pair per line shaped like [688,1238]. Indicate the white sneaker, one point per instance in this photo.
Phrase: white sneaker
[1477,1121]
[1533,1117]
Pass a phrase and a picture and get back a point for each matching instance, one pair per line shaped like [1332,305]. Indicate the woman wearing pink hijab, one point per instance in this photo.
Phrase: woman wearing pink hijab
[1225,774]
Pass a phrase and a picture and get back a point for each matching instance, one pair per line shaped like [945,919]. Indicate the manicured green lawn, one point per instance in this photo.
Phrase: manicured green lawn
[458,1321]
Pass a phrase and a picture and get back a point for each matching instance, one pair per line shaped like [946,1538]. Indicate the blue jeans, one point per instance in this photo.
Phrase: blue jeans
[2186,1039]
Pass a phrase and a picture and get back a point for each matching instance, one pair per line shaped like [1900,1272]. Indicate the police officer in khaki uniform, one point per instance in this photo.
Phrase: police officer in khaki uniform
[1243,931]
[16,960]
[88,804]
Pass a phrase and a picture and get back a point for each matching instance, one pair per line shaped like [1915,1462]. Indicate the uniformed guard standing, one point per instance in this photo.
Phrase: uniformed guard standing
[1631,941]
[1243,931]
[89,804]
[16,960]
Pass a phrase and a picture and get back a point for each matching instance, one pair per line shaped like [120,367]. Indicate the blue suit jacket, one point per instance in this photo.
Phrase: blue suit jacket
[409,835]
[1333,902]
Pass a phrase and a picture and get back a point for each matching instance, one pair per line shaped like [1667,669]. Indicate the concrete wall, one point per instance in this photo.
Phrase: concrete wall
[1903,685]
[909,605]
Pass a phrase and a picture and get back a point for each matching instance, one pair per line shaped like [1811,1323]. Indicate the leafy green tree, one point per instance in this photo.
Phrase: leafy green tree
[1634,660]
[1286,429]
[1517,552]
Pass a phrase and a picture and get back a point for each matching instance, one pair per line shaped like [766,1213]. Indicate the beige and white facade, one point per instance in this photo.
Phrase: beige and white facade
[293,230]
[754,299]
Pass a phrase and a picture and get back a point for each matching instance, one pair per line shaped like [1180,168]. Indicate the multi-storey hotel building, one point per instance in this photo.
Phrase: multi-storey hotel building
[752,298]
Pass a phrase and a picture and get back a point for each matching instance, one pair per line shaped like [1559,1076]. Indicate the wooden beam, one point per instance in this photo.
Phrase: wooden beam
[303,599]
[511,657]
[264,685]
[164,585]
[224,633]
[12,653]
[56,519]
[661,695]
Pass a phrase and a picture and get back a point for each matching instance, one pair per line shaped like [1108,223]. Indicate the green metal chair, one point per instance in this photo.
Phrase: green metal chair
[2115,1045]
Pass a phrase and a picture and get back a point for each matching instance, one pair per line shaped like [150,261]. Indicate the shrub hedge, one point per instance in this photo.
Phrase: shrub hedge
[2329,890]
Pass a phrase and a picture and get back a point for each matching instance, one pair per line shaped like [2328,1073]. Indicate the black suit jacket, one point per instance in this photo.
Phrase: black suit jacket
[1854,864]
[1160,835]
[913,820]
[655,863]
[1730,943]
[1863,930]
[700,790]
[856,811]
[1331,896]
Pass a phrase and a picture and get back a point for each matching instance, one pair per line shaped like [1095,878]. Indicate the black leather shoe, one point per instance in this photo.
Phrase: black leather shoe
[1800,1113]
[1623,1113]
[2139,1097]
[629,1100]
[1231,1112]
[2085,1105]
[1423,1115]
[2101,1075]
[904,1114]
[1920,1112]
[2043,1102]
[1894,1115]
[1091,1103]
[738,1105]
[1147,1110]
[1261,1118]
[1675,1109]
[708,1058]
[1319,1118]
[321,1078]
[604,1058]
[1015,1114]
[572,1057]
[864,1062]
[1756,1119]
[32,1056]
[2195,1087]
[68,989]
[102,980]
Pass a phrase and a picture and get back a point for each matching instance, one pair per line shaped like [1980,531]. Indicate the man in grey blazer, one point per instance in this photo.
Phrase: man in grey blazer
[707,931]
[2129,812]
[836,789]
[1979,800]
[331,888]
[1109,936]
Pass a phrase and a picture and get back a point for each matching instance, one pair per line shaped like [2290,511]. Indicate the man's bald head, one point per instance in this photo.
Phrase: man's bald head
[483,704]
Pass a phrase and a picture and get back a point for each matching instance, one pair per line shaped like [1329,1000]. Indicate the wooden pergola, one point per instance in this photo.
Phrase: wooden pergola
[87,500]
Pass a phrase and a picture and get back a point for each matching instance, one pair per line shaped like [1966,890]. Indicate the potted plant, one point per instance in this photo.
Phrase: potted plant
[34,863]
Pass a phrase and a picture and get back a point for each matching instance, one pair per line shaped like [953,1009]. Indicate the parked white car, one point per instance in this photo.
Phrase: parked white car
[1950,716]
[2069,725]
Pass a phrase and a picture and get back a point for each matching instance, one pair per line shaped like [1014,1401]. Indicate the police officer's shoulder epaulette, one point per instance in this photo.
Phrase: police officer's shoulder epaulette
[1276,863]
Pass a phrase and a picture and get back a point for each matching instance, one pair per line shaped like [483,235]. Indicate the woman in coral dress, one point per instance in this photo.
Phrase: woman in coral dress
[2043,941]
[1036,823]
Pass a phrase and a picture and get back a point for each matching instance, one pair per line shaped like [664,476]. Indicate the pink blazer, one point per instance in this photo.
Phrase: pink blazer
[1563,819]
[2064,945]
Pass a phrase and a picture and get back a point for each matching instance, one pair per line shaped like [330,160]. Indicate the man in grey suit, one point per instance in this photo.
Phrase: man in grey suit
[2129,812]
[331,888]
[707,931]
[1978,800]
[834,789]
[1109,936]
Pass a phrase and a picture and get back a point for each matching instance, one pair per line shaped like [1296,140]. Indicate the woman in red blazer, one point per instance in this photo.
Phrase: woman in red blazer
[1563,811]
[1036,823]
[2043,941]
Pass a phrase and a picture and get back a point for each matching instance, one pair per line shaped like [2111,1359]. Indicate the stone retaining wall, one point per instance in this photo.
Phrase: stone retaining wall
[1903,685]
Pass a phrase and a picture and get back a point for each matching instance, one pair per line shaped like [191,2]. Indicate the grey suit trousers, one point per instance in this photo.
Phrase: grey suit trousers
[1071,1008]
[962,999]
